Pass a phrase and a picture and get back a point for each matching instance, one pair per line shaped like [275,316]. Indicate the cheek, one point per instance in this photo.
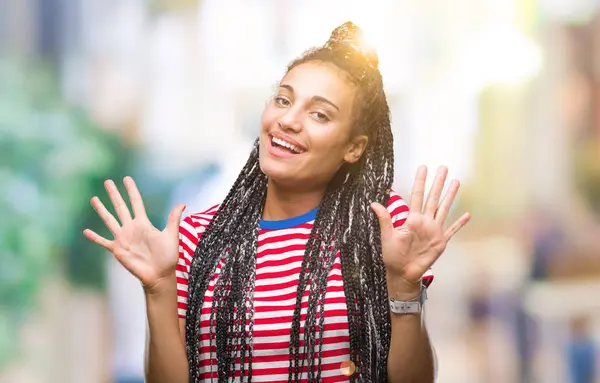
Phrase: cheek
[328,139]
[330,152]
[268,117]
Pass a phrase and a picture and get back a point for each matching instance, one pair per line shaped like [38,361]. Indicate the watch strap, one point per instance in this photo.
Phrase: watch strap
[412,306]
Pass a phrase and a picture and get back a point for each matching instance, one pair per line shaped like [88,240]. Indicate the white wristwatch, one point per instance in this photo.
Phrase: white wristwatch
[413,306]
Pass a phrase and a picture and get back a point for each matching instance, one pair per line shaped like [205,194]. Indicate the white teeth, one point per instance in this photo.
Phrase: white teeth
[281,142]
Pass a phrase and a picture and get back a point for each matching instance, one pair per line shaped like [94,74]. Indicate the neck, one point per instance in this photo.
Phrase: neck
[283,203]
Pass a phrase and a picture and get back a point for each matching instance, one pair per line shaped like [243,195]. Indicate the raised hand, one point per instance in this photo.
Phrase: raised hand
[410,250]
[148,253]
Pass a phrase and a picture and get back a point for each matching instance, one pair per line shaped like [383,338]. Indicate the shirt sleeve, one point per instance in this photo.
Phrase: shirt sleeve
[398,209]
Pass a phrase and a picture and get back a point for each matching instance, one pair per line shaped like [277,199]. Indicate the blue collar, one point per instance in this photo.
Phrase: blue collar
[289,222]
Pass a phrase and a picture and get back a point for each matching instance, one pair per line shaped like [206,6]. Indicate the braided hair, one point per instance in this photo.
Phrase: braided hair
[344,224]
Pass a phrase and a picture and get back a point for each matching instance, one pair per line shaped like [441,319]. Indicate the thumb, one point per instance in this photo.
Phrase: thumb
[175,218]
[384,217]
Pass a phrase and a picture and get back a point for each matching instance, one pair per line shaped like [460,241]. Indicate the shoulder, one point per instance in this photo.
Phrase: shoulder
[193,225]
[398,209]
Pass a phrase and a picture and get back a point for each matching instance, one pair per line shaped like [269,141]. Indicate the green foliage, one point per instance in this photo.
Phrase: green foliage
[52,160]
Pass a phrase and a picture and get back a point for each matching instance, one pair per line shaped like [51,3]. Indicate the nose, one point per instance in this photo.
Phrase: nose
[290,121]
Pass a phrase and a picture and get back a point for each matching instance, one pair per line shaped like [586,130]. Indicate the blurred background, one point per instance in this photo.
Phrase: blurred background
[504,92]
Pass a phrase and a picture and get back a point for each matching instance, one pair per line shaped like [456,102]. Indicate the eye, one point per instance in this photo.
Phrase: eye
[319,116]
[282,101]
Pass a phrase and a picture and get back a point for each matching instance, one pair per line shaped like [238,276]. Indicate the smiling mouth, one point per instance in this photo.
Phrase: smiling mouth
[279,143]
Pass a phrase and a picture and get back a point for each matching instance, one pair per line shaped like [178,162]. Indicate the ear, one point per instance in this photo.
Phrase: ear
[356,148]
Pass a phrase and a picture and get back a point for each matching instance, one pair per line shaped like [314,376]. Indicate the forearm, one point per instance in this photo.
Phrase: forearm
[166,358]
[411,356]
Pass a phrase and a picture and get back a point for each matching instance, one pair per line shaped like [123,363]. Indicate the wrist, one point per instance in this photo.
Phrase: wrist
[162,286]
[401,289]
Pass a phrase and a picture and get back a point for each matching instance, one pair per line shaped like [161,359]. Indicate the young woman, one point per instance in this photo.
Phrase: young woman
[301,273]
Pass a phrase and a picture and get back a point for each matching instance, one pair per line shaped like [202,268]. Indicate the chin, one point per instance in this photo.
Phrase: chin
[274,170]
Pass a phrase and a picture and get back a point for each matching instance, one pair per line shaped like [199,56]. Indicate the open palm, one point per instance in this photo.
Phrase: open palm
[147,252]
[410,250]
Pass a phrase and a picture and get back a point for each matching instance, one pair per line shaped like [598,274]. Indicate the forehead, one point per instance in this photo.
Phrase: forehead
[321,79]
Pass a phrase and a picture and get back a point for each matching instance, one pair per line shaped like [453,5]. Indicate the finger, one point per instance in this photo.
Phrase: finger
[137,204]
[433,199]
[416,198]
[446,204]
[175,219]
[92,236]
[109,220]
[459,224]
[117,201]
[384,218]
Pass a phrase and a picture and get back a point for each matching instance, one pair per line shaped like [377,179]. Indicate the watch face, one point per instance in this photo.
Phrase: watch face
[402,307]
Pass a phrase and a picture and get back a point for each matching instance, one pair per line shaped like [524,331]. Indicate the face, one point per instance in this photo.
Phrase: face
[306,127]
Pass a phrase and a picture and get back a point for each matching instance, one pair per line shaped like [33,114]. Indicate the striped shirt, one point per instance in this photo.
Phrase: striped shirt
[281,246]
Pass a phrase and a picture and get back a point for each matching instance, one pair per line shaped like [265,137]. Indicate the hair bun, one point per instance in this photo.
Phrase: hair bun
[350,37]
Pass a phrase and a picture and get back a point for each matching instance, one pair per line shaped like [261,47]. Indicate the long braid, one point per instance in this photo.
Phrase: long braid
[344,223]
[362,263]
[220,239]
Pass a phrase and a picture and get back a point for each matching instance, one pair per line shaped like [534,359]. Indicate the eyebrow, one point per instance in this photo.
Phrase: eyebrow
[315,98]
